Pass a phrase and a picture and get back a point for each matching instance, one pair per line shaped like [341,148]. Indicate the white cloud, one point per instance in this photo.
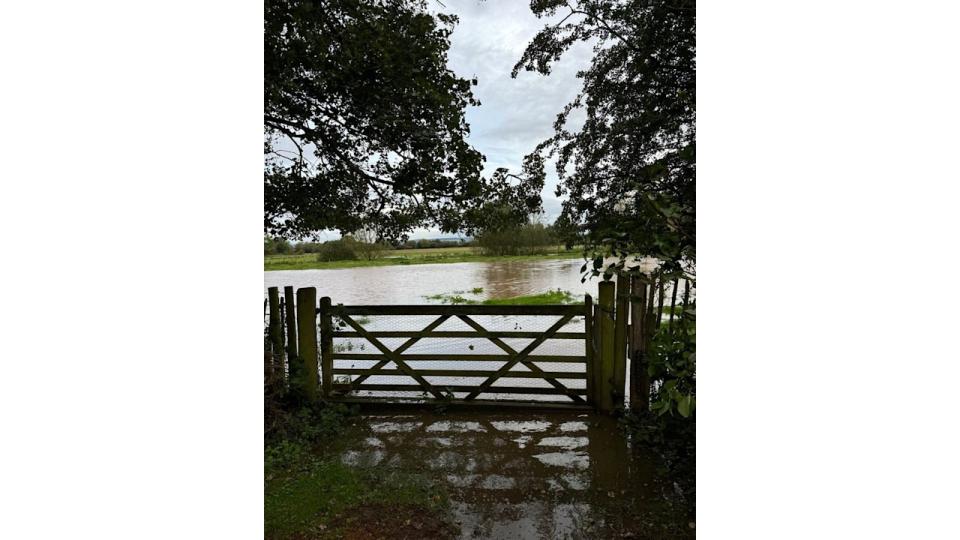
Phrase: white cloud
[515,114]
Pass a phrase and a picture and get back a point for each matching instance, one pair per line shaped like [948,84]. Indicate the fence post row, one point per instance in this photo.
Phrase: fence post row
[307,325]
[633,299]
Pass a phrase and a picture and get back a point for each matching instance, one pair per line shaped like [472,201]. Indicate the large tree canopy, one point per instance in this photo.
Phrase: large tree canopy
[629,173]
[365,124]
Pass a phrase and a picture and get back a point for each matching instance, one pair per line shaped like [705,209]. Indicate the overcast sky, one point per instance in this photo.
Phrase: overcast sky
[515,114]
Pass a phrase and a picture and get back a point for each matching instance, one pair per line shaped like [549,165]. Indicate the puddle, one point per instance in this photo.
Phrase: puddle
[573,426]
[565,459]
[537,475]
[522,426]
[569,443]
[394,427]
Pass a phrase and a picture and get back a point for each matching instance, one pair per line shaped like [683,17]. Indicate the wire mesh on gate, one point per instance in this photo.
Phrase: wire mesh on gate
[460,349]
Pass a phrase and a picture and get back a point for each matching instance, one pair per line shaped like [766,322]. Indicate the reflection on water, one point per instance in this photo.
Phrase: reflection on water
[557,475]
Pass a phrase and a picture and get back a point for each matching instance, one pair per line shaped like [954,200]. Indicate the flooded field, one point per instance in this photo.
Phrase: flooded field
[415,284]
[547,475]
[411,284]
[427,284]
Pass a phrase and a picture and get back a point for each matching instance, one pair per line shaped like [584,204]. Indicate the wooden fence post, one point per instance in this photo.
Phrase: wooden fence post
[276,332]
[307,326]
[326,345]
[659,304]
[673,303]
[597,354]
[291,329]
[589,345]
[620,339]
[639,377]
[605,388]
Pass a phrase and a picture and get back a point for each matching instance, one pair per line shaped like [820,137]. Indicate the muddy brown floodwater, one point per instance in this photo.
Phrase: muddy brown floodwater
[409,284]
[527,475]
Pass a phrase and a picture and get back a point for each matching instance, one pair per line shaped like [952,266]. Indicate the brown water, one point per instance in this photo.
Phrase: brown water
[547,475]
[409,284]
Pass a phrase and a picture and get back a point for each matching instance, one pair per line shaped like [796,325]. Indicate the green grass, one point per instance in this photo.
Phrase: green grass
[304,503]
[406,257]
[310,493]
[550,297]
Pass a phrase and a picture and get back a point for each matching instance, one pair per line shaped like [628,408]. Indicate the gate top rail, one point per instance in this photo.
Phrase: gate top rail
[463,309]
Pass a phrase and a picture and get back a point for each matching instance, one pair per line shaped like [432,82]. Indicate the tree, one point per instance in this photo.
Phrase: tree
[629,174]
[368,246]
[273,246]
[364,123]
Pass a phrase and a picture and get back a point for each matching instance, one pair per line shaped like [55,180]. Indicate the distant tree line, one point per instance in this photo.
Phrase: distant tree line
[526,239]
[424,243]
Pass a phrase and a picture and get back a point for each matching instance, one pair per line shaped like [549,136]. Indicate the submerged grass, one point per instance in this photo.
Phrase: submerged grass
[551,297]
[558,296]
[404,257]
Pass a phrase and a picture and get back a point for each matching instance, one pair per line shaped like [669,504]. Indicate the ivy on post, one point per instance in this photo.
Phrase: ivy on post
[308,378]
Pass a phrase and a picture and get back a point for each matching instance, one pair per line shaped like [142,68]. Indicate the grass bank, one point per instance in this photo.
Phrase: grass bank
[394,257]
[310,493]
[324,498]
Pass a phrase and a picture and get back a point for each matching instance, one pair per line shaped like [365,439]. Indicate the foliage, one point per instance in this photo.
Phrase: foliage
[433,243]
[307,247]
[344,249]
[367,245]
[629,172]
[365,126]
[275,246]
[526,239]
[673,364]
[292,421]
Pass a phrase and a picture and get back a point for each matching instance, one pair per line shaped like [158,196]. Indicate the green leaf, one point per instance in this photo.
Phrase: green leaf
[685,406]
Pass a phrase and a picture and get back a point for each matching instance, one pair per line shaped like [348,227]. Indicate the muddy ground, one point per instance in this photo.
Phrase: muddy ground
[545,475]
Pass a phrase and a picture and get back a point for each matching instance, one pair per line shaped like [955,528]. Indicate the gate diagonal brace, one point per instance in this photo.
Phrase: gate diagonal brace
[514,357]
[392,356]
[406,345]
